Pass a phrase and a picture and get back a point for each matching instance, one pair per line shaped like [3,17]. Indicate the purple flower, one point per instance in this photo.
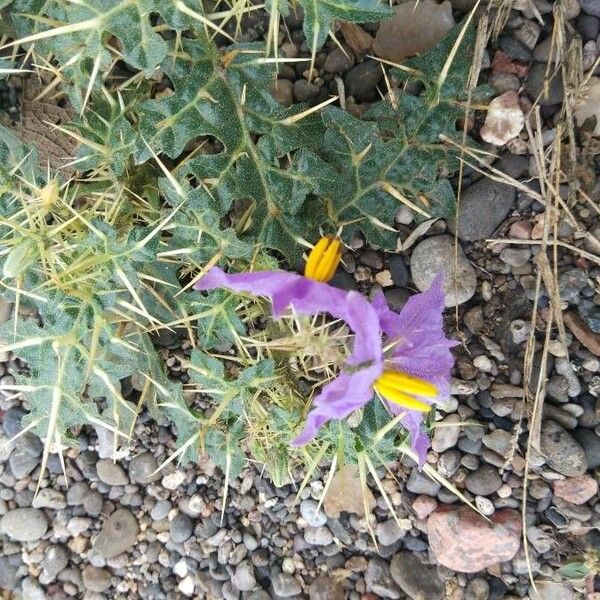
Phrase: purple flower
[413,374]
[421,349]
[354,386]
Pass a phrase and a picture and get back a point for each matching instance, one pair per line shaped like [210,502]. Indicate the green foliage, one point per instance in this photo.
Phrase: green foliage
[185,161]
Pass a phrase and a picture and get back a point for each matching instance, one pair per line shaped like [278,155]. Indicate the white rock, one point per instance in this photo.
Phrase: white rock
[180,568]
[173,480]
[186,586]
[485,505]
[483,363]
[504,120]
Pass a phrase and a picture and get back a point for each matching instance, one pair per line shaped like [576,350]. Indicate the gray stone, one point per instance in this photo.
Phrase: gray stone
[515,257]
[31,590]
[590,442]
[9,566]
[362,80]
[504,82]
[446,433]
[308,510]
[562,452]
[484,481]
[588,26]
[118,534]
[514,48]
[398,270]
[528,33]
[514,165]
[77,492]
[436,255]
[499,441]
[417,580]
[56,558]
[591,7]
[483,207]
[142,467]
[243,578]
[285,585]
[111,473]
[11,423]
[318,536]
[93,502]
[379,579]
[160,510]
[24,524]
[570,284]
[419,483]
[22,462]
[535,85]
[181,528]
[49,498]
[388,532]
[477,589]
[96,579]
[448,463]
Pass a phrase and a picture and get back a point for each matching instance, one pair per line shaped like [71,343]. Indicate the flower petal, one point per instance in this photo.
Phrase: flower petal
[346,393]
[422,349]
[352,388]
[419,440]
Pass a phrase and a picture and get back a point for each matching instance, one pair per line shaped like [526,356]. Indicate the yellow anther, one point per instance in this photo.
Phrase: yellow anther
[324,259]
[408,384]
[401,388]
[401,398]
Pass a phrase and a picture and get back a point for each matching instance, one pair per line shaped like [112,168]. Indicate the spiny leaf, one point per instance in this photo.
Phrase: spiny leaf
[226,98]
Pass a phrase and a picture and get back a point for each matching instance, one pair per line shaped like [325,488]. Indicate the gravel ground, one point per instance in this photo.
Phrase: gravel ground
[116,532]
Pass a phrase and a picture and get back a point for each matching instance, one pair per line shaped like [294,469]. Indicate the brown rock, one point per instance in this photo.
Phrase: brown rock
[345,494]
[416,27]
[356,37]
[576,490]
[588,338]
[325,588]
[502,63]
[281,90]
[463,541]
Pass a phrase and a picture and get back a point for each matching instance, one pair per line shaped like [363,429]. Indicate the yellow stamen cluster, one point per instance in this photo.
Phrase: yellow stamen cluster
[323,259]
[401,388]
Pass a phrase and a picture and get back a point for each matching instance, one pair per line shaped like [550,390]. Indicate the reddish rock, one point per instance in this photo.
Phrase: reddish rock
[502,63]
[424,506]
[464,541]
[576,490]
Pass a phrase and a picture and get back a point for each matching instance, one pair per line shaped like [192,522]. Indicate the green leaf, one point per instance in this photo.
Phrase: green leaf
[91,23]
[319,15]
[218,321]
[224,449]
[19,258]
[109,135]
[226,98]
